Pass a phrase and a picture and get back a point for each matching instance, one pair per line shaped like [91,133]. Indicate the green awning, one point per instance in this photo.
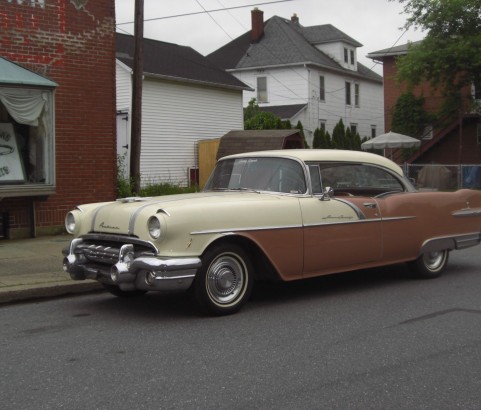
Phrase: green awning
[13,74]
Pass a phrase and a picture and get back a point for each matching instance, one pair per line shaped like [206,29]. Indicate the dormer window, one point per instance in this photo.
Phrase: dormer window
[346,55]
[352,57]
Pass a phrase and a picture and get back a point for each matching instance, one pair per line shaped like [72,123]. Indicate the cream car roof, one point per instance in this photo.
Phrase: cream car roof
[308,155]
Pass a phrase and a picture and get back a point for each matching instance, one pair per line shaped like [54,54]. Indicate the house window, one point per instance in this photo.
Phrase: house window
[262,89]
[353,129]
[322,125]
[26,140]
[373,131]
[476,91]
[428,133]
[352,56]
[322,89]
[346,54]
[357,98]
[348,93]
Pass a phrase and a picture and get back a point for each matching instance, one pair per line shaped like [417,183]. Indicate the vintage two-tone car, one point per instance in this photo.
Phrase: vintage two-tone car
[282,215]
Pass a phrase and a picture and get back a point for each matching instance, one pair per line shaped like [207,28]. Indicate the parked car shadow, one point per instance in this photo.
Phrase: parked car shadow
[169,307]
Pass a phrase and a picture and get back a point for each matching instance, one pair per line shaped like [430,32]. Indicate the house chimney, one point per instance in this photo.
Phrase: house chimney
[257,25]
[295,19]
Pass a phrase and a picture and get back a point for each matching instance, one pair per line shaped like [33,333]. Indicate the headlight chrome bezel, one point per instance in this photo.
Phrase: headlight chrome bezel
[71,222]
[154,227]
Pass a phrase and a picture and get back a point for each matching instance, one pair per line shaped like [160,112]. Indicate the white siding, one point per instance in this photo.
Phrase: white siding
[336,52]
[123,83]
[175,117]
[286,86]
[369,112]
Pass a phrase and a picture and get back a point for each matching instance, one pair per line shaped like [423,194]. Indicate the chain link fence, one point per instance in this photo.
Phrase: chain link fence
[435,177]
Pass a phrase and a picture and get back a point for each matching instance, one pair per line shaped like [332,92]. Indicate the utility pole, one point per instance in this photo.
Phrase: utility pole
[135,135]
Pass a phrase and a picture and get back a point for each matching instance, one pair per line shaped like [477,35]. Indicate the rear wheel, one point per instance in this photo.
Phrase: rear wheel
[115,290]
[430,265]
[224,282]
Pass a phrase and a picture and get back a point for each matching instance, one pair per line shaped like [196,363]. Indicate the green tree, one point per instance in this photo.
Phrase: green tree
[339,135]
[318,140]
[327,140]
[409,116]
[448,57]
[301,129]
[256,119]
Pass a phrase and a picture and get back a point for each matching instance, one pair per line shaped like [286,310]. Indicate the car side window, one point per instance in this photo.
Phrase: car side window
[315,179]
[358,179]
[258,173]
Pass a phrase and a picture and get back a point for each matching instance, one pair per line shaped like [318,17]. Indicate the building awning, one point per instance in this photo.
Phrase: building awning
[13,74]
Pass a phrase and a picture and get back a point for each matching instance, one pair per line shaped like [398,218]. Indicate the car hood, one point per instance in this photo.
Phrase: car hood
[128,216]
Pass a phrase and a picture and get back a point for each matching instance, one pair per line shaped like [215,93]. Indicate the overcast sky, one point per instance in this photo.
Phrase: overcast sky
[374,23]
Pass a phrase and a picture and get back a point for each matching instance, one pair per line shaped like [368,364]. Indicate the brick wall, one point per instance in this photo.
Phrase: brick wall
[453,148]
[393,90]
[71,42]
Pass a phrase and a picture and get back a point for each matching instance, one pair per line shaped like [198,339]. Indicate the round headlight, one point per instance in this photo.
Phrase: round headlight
[70,222]
[154,227]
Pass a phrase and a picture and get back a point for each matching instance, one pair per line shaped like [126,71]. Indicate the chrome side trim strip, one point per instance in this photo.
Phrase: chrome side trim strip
[264,228]
[355,208]
[399,218]
[466,213]
[362,221]
[231,231]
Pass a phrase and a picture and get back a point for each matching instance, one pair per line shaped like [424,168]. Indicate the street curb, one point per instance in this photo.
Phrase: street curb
[47,291]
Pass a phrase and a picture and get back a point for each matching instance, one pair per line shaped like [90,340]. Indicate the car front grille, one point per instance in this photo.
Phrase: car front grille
[105,249]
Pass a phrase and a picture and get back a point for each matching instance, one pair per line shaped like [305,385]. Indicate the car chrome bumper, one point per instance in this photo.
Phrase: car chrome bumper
[129,272]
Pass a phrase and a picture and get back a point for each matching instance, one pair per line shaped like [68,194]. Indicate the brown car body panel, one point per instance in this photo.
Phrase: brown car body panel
[391,229]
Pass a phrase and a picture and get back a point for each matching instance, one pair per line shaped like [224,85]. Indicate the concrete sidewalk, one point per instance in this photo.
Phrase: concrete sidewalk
[32,268]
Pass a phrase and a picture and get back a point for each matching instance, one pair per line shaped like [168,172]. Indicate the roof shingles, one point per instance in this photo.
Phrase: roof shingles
[175,62]
[286,43]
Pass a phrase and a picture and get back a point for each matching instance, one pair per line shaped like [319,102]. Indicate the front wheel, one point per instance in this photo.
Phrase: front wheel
[430,265]
[224,282]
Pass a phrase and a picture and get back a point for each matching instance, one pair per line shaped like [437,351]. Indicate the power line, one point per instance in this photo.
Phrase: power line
[208,11]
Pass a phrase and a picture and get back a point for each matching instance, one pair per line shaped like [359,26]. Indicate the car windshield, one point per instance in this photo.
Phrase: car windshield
[258,174]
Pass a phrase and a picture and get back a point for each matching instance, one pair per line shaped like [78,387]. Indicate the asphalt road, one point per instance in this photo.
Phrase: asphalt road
[364,340]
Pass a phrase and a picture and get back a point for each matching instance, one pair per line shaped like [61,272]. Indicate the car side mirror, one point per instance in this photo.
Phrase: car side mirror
[327,194]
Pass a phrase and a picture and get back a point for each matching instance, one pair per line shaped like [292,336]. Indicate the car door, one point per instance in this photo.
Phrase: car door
[341,231]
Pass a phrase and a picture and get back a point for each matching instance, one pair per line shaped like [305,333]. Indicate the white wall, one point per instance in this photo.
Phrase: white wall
[369,112]
[175,117]
[300,85]
[284,85]
[123,85]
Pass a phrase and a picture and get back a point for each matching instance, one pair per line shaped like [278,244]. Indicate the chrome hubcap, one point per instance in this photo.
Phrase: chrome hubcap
[225,279]
[434,260]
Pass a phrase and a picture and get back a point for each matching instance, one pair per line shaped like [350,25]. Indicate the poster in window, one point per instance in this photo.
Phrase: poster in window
[11,167]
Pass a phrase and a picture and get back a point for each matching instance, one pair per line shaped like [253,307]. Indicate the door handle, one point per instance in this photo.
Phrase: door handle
[370,205]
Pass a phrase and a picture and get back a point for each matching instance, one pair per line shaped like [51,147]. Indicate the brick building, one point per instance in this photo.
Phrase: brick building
[457,141]
[57,111]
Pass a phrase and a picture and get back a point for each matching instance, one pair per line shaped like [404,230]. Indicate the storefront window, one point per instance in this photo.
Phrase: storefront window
[26,141]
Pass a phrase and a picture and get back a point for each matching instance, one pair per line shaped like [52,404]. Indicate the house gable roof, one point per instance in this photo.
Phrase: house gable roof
[176,63]
[286,43]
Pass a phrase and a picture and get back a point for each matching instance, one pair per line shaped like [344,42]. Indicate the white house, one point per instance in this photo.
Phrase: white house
[185,98]
[309,74]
